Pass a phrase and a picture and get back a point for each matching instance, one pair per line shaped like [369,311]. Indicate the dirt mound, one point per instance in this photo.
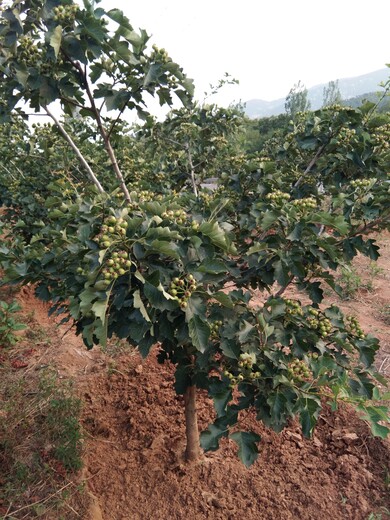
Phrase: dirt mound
[134,459]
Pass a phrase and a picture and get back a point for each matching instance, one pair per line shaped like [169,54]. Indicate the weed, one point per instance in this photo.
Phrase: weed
[381,515]
[64,430]
[9,324]
[384,313]
[374,269]
[349,281]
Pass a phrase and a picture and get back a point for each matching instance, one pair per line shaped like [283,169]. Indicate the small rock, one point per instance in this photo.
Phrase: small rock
[347,437]
[296,438]
[139,369]
[317,443]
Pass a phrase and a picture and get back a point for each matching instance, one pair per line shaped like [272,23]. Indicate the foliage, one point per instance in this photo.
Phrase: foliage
[296,100]
[141,249]
[259,131]
[9,324]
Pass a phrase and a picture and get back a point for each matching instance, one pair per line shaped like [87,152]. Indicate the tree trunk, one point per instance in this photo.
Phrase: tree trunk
[192,433]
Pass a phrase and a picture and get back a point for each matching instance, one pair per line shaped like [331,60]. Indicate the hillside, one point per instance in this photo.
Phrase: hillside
[349,88]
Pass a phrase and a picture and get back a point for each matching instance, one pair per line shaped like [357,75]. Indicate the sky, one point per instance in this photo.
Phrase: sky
[268,45]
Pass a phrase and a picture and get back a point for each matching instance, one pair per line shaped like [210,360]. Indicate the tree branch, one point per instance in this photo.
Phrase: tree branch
[310,165]
[105,137]
[102,130]
[76,150]
[192,170]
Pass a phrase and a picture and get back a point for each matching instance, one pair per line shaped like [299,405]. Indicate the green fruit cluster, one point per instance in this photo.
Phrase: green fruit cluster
[214,328]
[299,371]
[278,196]
[245,371]
[65,14]
[111,231]
[320,324]
[117,264]
[360,183]
[382,136]
[146,195]
[182,288]
[195,225]
[160,55]
[29,53]
[179,216]
[345,135]
[305,204]
[353,326]
[207,198]
[293,307]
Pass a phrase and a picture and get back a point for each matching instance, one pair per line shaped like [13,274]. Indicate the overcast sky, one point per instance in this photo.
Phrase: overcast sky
[268,45]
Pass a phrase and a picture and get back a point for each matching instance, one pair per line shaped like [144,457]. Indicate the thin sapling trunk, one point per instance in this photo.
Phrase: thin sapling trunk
[192,452]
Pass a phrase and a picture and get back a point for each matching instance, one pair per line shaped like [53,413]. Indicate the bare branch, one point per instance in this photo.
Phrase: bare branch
[75,149]
[310,165]
[192,170]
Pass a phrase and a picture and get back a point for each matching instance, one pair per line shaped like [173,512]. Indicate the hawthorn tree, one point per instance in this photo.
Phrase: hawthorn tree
[122,238]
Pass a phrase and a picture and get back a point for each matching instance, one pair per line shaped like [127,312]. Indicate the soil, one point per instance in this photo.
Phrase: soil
[134,436]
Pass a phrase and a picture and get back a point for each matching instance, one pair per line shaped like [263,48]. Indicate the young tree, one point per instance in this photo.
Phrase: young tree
[296,100]
[167,266]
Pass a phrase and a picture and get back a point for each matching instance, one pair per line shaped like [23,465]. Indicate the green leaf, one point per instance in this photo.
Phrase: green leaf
[138,304]
[230,348]
[247,448]
[94,28]
[55,39]
[223,299]
[270,219]
[215,233]
[246,330]
[73,49]
[209,439]
[169,249]
[281,273]
[195,307]
[182,379]
[199,331]
[152,74]
[212,267]
[296,233]
[99,308]
[335,221]
[374,414]
[309,408]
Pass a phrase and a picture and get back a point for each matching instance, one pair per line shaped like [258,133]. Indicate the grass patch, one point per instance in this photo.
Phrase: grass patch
[40,446]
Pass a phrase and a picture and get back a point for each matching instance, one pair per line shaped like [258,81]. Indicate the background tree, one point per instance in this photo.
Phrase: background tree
[331,94]
[296,100]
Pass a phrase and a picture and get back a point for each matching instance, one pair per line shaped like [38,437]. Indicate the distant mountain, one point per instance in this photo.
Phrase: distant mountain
[349,88]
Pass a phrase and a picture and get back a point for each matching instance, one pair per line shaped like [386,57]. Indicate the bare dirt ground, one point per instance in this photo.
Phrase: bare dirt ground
[134,435]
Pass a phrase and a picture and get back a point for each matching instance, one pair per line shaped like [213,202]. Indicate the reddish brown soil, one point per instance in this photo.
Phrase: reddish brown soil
[134,433]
